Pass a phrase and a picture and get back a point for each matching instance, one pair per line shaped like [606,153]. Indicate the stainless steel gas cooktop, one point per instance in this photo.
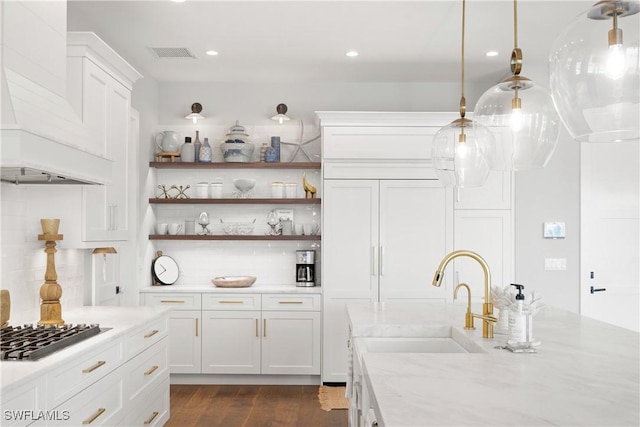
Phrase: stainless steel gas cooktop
[33,342]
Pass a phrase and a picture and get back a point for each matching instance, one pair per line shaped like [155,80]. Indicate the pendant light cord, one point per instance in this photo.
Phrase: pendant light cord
[463,102]
[515,24]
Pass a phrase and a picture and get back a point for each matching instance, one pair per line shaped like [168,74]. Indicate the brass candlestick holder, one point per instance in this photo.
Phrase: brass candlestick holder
[50,291]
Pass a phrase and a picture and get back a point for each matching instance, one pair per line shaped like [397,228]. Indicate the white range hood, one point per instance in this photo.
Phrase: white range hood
[42,138]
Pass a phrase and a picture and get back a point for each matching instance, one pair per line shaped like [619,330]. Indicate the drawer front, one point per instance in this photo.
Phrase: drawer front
[291,302]
[146,336]
[101,404]
[146,371]
[152,411]
[231,302]
[82,371]
[179,301]
[18,404]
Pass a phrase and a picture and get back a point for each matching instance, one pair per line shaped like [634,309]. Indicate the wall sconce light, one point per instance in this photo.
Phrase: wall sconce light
[195,115]
[281,117]
[104,252]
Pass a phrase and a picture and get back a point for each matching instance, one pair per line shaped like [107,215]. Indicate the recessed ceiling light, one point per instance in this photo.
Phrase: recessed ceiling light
[211,52]
[352,53]
[492,53]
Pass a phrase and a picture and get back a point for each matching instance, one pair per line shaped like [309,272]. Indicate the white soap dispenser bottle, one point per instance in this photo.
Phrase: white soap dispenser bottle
[518,323]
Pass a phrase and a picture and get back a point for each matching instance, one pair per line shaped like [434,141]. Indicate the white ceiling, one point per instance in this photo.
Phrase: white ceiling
[306,41]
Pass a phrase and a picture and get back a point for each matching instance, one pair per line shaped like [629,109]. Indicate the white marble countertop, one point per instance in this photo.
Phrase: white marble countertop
[586,373]
[256,288]
[121,320]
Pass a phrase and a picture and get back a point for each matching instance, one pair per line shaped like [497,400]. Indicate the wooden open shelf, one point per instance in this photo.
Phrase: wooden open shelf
[234,201]
[229,237]
[232,165]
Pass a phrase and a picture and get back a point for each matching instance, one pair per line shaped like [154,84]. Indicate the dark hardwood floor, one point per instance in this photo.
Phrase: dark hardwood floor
[250,406]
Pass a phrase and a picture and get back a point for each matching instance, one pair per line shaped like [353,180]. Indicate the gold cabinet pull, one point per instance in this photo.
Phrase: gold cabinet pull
[94,367]
[289,302]
[151,418]
[196,326]
[93,417]
[172,301]
[231,302]
[257,333]
[151,371]
[264,327]
[152,333]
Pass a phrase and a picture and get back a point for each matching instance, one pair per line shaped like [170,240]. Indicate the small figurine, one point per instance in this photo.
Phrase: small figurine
[165,192]
[181,191]
[309,190]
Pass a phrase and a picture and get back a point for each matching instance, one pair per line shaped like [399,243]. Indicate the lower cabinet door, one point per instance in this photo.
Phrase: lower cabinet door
[153,411]
[291,342]
[231,342]
[185,342]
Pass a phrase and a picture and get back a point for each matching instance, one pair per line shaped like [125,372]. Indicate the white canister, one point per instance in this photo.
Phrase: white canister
[216,190]
[291,190]
[202,190]
[277,190]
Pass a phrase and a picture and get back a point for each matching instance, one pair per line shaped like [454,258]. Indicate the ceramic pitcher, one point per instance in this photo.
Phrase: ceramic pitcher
[167,141]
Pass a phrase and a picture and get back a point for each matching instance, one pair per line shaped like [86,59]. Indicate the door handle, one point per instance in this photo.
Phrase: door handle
[594,290]
[374,266]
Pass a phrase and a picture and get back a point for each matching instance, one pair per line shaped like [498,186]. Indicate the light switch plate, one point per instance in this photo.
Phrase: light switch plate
[555,264]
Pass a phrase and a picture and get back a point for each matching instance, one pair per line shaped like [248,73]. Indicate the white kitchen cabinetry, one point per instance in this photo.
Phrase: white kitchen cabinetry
[99,87]
[380,237]
[243,333]
[185,336]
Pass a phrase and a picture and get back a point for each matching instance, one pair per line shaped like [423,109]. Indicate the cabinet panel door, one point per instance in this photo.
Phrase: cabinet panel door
[231,342]
[349,264]
[185,342]
[415,233]
[495,193]
[489,233]
[95,106]
[350,238]
[291,343]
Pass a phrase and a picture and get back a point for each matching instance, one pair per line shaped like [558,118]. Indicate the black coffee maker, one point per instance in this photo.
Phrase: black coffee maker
[305,268]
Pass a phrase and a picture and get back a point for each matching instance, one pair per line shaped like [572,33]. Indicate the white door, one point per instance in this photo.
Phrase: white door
[610,257]
[291,342]
[415,233]
[349,263]
[185,342]
[232,342]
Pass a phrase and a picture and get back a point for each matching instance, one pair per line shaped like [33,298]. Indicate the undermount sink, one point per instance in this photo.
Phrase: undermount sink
[454,343]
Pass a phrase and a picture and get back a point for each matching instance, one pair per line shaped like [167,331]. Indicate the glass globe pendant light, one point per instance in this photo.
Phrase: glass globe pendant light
[522,117]
[456,153]
[595,74]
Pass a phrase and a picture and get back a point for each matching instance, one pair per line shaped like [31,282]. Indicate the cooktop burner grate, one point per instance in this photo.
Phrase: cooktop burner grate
[33,342]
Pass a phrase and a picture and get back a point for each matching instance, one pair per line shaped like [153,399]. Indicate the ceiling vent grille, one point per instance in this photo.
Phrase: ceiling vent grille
[172,52]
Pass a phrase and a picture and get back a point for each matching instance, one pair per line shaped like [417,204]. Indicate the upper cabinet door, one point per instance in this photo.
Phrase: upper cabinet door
[96,96]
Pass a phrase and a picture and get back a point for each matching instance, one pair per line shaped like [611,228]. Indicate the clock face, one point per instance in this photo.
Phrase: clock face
[165,270]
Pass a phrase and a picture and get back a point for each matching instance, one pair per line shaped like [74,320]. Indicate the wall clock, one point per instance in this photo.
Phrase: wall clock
[164,270]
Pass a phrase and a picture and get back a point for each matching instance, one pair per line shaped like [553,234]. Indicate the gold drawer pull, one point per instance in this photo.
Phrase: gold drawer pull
[196,326]
[93,417]
[231,302]
[150,371]
[290,302]
[264,327]
[172,301]
[94,367]
[152,333]
[151,418]
[257,333]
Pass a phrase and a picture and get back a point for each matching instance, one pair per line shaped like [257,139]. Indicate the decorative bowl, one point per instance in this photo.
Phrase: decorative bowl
[241,227]
[237,152]
[234,281]
[244,184]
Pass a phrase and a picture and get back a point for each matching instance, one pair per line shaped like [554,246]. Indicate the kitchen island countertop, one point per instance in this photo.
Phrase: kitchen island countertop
[586,373]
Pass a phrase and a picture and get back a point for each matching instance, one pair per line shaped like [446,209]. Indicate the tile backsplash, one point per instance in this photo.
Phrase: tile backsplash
[23,261]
